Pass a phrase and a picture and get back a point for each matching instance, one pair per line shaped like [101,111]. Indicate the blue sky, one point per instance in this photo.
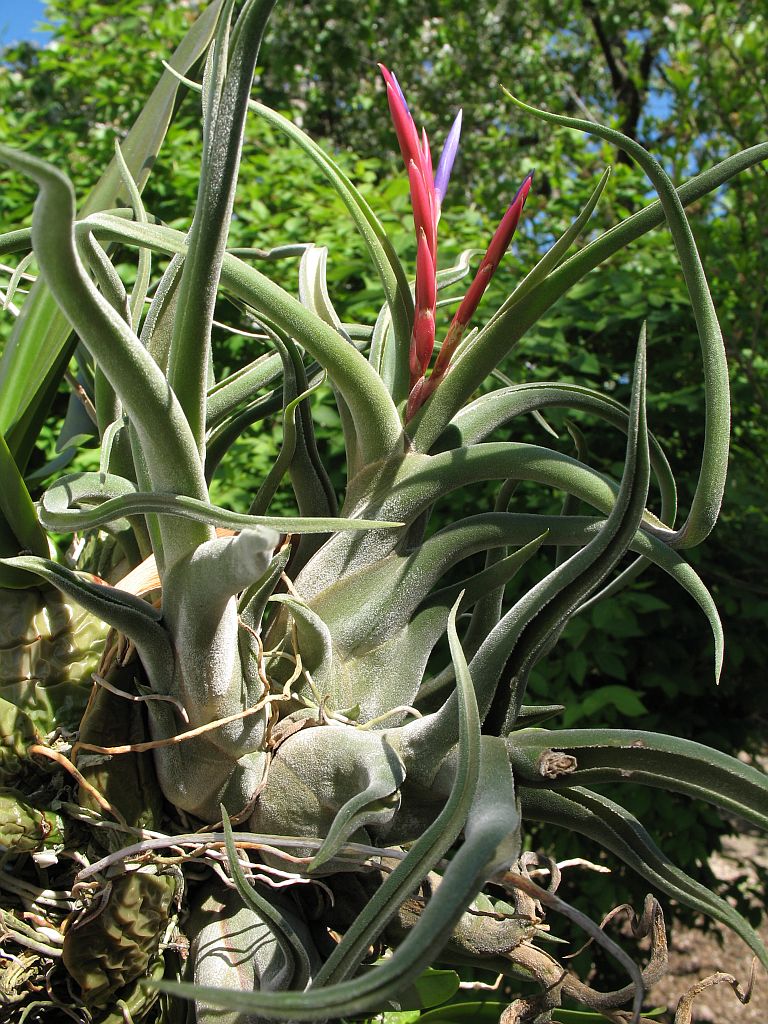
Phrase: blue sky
[18,19]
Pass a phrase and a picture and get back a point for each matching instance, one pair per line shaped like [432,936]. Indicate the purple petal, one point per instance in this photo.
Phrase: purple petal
[400,92]
[447,158]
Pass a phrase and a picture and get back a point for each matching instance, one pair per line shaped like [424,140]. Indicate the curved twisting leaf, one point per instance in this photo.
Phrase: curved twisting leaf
[477,420]
[39,341]
[705,505]
[377,422]
[608,824]
[339,557]
[648,758]
[313,292]
[57,511]
[380,249]
[149,401]
[531,626]
[409,487]
[480,418]
[144,266]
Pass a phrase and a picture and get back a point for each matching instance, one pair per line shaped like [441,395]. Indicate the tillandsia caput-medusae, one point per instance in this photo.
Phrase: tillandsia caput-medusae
[279,670]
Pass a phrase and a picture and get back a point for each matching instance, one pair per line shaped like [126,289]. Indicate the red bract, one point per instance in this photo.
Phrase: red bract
[499,244]
[423,207]
[418,161]
[405,129]
[424,320]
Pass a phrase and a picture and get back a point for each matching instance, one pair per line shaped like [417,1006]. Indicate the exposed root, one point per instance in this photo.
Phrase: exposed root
[141,698]
[181,737]
[66,764]
[650,923]
[202,842]
[684,1012]
[549,972]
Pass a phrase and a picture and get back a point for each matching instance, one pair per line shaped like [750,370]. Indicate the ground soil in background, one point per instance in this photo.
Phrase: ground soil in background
[694,954]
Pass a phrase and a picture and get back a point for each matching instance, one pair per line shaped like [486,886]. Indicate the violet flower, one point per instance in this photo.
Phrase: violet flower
[447,158]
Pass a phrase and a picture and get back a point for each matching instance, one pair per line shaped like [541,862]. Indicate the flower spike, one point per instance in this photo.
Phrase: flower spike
[427,193]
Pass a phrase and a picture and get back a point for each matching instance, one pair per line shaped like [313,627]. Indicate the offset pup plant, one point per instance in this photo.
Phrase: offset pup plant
[260,775]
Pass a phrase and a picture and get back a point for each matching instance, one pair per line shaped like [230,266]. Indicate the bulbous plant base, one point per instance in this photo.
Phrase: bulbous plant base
[333,781]
[111,942]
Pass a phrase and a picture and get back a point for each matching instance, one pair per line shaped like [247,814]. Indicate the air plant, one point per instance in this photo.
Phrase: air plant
[257,769]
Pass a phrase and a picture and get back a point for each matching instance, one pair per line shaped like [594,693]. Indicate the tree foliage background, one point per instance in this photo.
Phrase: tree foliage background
[688,80]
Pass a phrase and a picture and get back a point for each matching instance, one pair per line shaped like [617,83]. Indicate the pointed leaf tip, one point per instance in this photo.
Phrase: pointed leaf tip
[405,129]
[386,74]
[498,246]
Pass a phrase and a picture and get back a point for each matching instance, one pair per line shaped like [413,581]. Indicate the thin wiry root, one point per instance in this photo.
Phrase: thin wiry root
[141,699]
[683,1014]
[181,737]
